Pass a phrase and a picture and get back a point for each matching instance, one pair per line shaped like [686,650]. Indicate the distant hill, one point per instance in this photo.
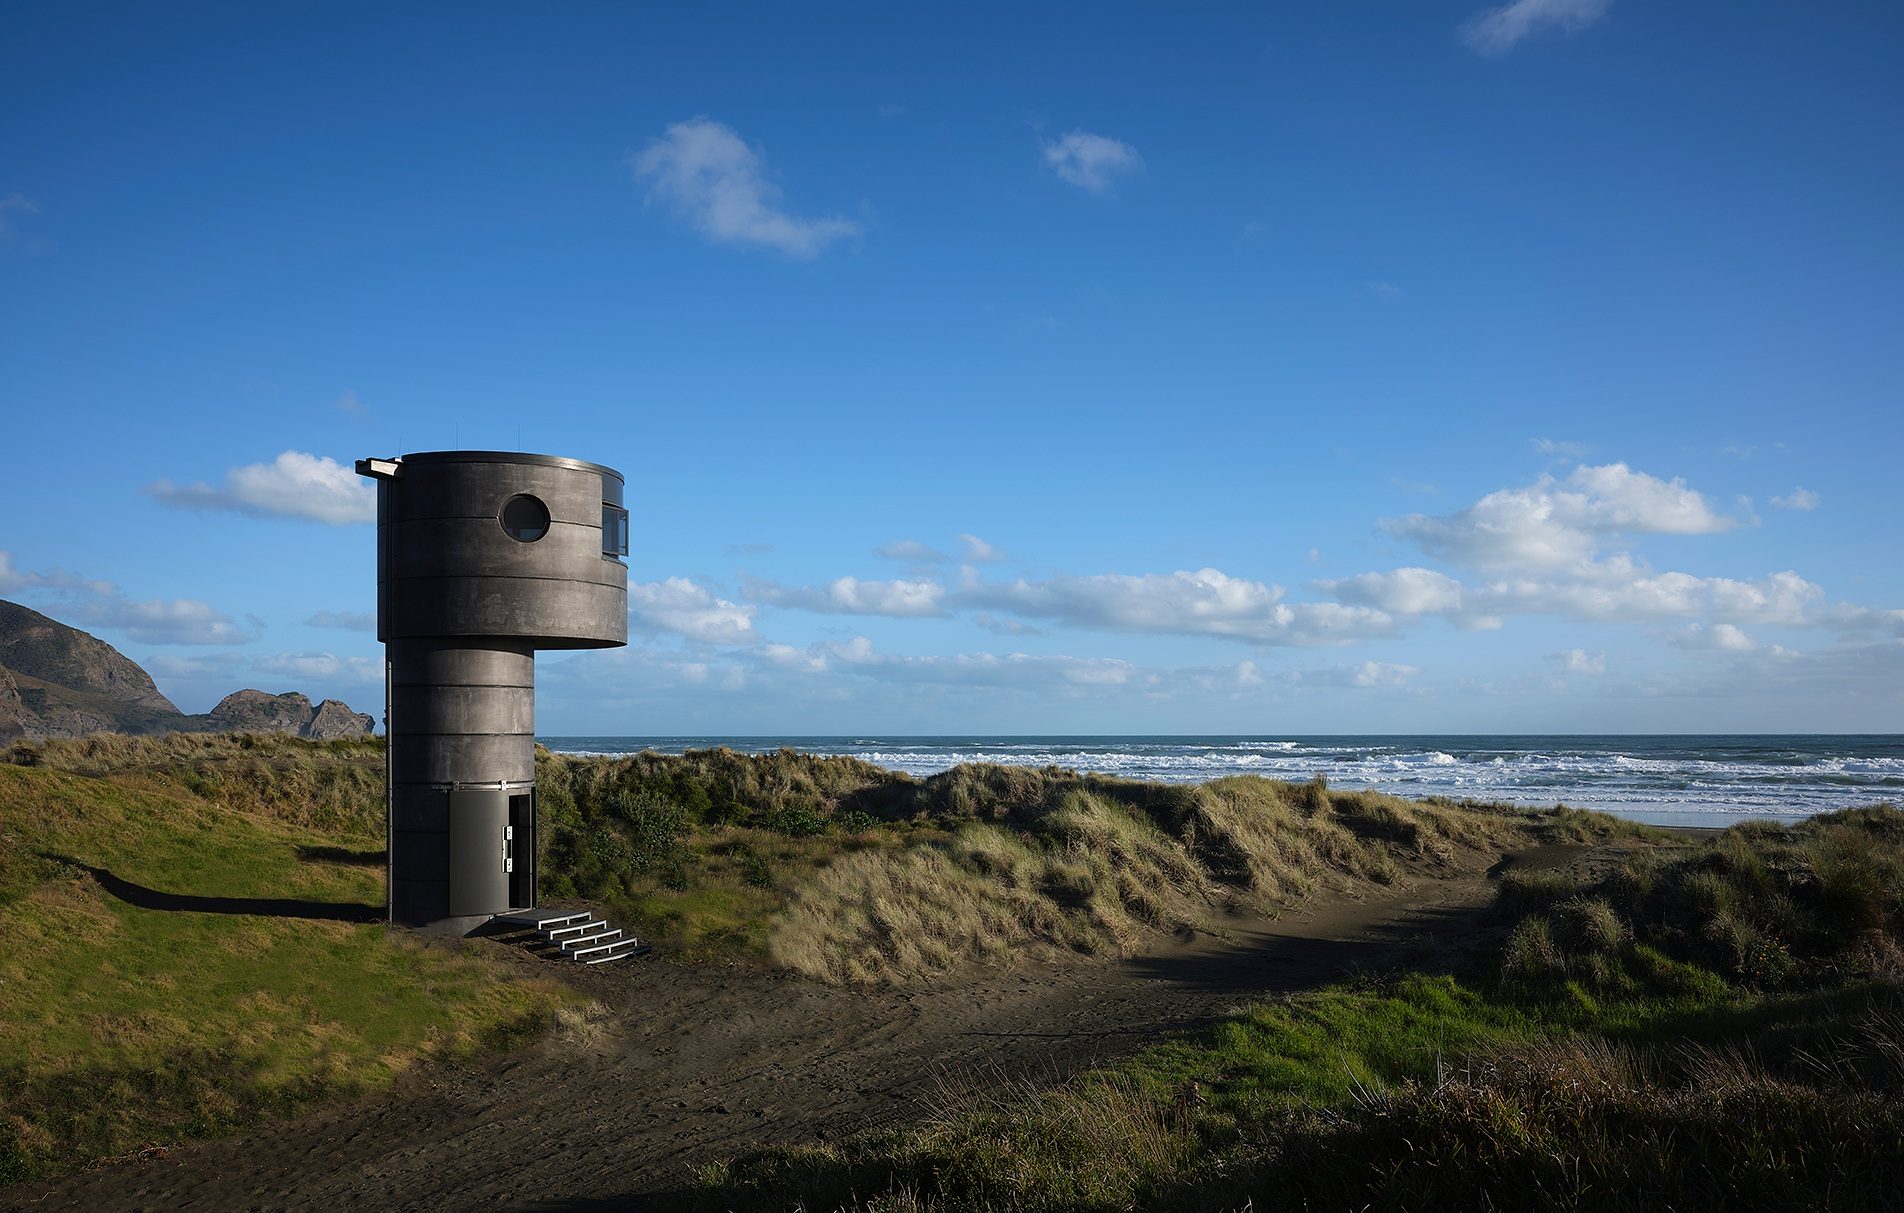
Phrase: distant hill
[57,681]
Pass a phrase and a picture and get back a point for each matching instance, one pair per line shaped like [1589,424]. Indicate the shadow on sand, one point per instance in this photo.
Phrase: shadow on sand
[270,907]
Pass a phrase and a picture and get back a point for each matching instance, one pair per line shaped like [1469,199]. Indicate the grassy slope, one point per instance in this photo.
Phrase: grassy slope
[121,1026]
[1718,1026]
[847,872]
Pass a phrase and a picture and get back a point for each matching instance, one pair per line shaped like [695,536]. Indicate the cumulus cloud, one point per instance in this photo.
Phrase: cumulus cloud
[977,551]
[682,607]
[1555,524]
[851,596]
[1091,162]
[1408,591]
[1639,597]
[165,621]
[294,485]
[1361,675]
[327,666]
[1579,661]
[219,666]
[1206,602]
[347,621]
[912,551]
[705,173]
[13,580]
[1797,499]
[858,656]
[91,603]
[1496,31]
[1723,636]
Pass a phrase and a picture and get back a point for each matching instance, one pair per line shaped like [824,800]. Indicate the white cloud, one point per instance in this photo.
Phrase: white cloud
[977,551]
[1361,675]
[851,596]
[1091,162]
[910,550]
[13,580]
[92,603]
[306,666]
[348,403]
[1554,524]
[1498,30]
[1798,499]
[680,606]
[1579,661]
[858,656]
[164,621]
[1385,290]
[786,657]
[1643,596]
[1409,591]
[220,666]
[707,175]
[1206,602]
[348,621]
[1723,636]
[294,485]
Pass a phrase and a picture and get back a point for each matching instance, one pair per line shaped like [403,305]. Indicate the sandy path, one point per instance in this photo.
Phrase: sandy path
[697,1063]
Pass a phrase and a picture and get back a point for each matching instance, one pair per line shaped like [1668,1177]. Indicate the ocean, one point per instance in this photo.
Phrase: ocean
[1664,780]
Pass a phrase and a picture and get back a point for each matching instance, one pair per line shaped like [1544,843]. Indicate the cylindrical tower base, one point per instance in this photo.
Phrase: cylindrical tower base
[462,780]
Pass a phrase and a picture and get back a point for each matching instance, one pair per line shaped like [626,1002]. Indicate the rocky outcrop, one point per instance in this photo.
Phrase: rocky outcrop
[291,712]
[335,719]
[258,712]
[57,681]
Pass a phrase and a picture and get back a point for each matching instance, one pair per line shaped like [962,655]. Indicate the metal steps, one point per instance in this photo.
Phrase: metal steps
[575,935]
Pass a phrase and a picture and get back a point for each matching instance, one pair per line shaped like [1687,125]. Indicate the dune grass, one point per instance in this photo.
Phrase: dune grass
[325,785]
[1709,1027]
[122,1026]
[850,873]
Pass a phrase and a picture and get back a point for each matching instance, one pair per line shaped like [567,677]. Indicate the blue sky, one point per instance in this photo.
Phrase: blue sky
[1358,367]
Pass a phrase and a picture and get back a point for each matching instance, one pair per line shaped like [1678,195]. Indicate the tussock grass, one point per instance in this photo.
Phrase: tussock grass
[1624,1053]
[848,872]
[1076,864]
[326,785]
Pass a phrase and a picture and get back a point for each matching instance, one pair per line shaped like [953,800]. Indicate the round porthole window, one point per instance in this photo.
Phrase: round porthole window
[525,518]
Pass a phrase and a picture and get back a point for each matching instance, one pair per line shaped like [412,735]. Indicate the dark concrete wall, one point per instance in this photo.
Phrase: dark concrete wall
[462,607]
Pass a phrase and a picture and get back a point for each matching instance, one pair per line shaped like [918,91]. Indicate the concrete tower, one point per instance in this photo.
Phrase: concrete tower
[483,557]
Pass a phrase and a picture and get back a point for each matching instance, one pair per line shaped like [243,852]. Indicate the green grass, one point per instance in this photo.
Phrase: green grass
[121,1026]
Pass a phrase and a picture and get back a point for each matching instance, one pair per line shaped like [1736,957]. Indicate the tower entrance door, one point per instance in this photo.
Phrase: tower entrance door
[480,846]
